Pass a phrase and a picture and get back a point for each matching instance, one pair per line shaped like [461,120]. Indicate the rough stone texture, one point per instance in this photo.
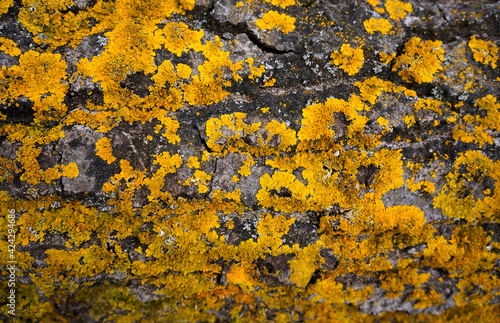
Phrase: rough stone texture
[180,226]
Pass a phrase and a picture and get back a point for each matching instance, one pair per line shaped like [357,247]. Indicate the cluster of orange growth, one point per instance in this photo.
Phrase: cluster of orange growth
[185,246]
[349,59]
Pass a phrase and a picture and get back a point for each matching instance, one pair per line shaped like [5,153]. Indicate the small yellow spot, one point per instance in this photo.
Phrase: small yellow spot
[270,82]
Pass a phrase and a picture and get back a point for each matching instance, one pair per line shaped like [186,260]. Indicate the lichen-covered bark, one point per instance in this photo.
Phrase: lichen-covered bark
[256,160]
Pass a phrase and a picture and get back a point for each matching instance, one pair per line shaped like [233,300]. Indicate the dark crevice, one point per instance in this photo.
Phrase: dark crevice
[264,47]
[442,13]
[203,141]
[220,29]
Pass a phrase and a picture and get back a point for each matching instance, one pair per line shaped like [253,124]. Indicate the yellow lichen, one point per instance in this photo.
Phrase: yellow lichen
[484,51]
[282,3]
[9,46]
[398,9]
[350,59]
[104,150]
[420,60]
[373,25]
[5,5]
[274,20]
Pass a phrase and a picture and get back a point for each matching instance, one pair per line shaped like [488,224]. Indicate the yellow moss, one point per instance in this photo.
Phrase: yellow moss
[485,52]
[420,60]
[373,25]
[398,9]
[104,150]
[274,20]
[349,59]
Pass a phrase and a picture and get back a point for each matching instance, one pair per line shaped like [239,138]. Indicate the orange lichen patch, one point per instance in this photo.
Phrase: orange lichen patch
[167,165]
[398,9]
[28,153]
[409,120]
[193,162]
[282,3]
[431,104]
[104,150]
[274,20]
[318,119]
[386,58]
[8,46]
[226,135]
[470,293]
[420,60]
[305,263]
[456,198]
[484,51]
[201,179]
[276,182]
[425,300]
[178,38]
[207,88]
[243,275]
[370,89]
[70,170]
[245,168]
[184,71]
[7,169]
[373,25]
[350,59]
[40,77]
[254,70]
[382,121]
[425,185]
[480,125]
[287,136]
[393,281]
[5,5]
[270,82]
[53,24]
[463,255]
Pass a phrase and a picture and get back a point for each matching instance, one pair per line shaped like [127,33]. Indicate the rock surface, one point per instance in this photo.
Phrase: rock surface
[257,160]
